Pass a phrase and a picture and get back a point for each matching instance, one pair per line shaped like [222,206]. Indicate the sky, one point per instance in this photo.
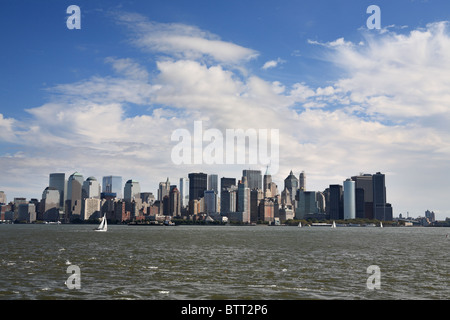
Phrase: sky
[345,99]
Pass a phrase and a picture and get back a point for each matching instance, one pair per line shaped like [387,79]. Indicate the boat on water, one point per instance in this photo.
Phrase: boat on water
[299,224]
[333,225]
[103,226]
[321,224]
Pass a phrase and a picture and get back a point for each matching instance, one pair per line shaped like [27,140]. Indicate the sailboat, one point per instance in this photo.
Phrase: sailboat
[299,224]
[103,226]
[381,224]
[333,225]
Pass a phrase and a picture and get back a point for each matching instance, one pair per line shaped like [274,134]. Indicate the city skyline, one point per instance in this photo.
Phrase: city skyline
[105,99]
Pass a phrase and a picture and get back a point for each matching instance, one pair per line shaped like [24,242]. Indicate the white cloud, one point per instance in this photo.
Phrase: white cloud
[272,63]
[183,41]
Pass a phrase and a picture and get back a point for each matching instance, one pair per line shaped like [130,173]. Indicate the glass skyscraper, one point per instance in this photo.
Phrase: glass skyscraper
[113,184]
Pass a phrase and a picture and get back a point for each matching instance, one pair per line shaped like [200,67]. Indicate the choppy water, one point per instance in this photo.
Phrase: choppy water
[223,262]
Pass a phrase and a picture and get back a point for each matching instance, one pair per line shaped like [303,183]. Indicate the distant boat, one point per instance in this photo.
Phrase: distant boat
[103,226]
[299,224]
[381,224]
[333,225]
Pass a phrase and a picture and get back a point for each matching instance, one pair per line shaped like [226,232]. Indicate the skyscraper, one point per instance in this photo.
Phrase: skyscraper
[131,190]
[164,189]
[254,179]
[197,185]
[243,201]
[349,199]
[381,209]
[302,181]
[213,182]
[113,184]
[291,184]
[58,181]
[174,202]
[91,188]
[184,191]
[74,196]
[50,204]
[335,202]
[227,195]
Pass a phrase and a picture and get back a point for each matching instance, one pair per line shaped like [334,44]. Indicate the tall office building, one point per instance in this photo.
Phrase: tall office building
[74,196]
[381,209]
[174,202]
[302,181]
[291,184]
[58,181]
[113,184]
[243,205]
[256,195]
[364,182]
[2,197]
[91,188]
[197,185]
[131,191]
[349,199]
[50,204]
[335,202]
[308,203]
[213,182]
[254,179]
[228,200]
[211,202]
[164,189]
[184,192]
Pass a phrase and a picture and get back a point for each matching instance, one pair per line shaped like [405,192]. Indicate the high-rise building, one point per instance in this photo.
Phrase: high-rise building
[349,199]
[2,197]
[335,202]
[243,204]
[228,198]
[197,185]
[131,191]
[113,184]
[211,202]
[74,196]
[174,202]
[364,182]
[381,209]
[50,204]
[254,179]
[291,184]
[256,195]
[302,181]
[308,203]
[184,192]
[27,212]
[91,208]
[91,188]
[213,182]
[164,189]
[58,181]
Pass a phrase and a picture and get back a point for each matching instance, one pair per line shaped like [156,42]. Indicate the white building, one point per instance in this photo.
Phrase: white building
[349,199]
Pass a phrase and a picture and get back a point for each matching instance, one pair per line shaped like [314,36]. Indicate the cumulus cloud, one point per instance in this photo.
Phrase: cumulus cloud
[272,63]
[183,41]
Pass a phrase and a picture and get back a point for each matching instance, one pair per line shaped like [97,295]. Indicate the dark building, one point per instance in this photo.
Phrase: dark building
[381,210]
[336,204]
[359,205]
[198,183]
[291,184]
[254,178]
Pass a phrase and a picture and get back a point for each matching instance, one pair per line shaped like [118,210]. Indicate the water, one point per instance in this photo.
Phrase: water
[223,262]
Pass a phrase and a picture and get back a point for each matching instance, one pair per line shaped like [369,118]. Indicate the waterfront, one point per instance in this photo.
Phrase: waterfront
[223,262]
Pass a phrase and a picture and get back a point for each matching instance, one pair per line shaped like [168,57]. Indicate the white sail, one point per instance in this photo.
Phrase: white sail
[103,226]
[333,225]
[299,224]
[381,224]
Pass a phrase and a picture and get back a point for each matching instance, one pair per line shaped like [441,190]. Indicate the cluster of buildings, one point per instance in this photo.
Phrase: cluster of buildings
[252,199]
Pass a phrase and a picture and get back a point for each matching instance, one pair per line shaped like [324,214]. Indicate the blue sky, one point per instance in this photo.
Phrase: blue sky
[105,99]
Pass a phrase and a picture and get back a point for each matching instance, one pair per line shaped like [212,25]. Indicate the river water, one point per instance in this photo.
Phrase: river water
[223,262]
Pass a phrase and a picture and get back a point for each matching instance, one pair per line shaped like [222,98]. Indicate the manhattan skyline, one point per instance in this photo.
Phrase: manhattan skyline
[104,100]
